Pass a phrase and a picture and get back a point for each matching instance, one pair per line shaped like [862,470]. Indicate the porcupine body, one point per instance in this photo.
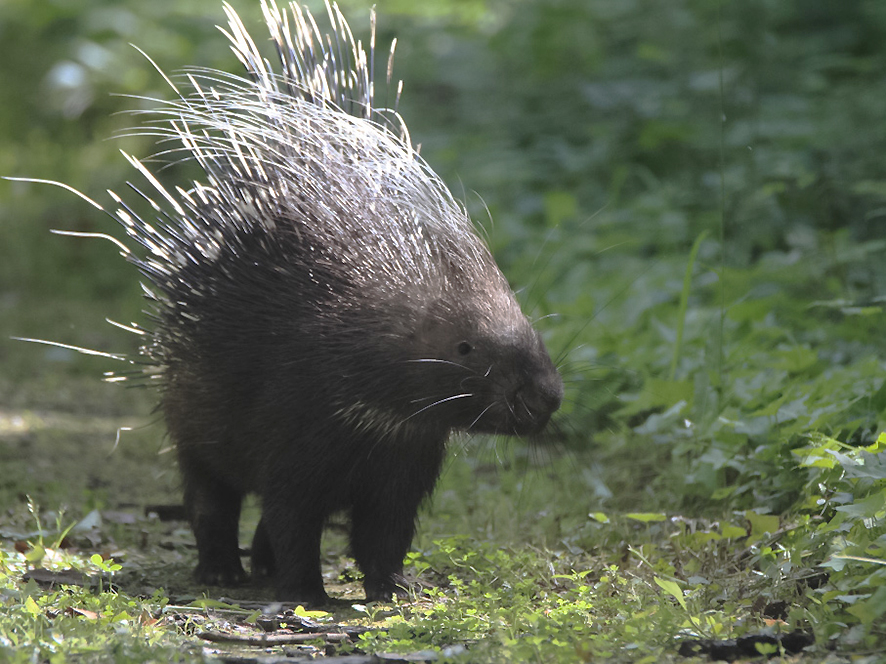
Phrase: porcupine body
[324,314]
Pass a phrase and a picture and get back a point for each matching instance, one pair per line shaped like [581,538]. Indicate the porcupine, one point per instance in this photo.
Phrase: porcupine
[324,313]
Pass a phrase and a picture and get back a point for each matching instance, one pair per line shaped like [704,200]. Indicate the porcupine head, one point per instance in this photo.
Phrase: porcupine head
[324,313]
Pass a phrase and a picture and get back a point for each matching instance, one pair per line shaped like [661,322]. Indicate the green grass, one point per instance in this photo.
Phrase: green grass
[525,582]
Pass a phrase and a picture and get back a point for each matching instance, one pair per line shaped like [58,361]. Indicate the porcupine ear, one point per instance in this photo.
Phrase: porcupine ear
[322,69]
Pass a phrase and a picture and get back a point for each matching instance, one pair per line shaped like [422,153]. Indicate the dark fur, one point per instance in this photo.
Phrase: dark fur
[278,390]
[325,316]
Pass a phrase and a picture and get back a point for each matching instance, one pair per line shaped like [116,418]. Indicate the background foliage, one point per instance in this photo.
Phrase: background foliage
[689,197]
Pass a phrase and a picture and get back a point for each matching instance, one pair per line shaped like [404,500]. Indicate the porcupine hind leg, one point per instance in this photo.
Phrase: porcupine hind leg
[214,511]
[386,498]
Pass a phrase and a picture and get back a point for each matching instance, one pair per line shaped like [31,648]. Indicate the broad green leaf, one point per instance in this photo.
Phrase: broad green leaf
[673,589]
[646,517]
[761,524]
[871,609]
[795,360]
[31,606]
[731,531]
[305,613]
[872,507]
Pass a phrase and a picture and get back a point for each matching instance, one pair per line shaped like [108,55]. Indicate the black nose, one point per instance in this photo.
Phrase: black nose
[536,403]
[549,392]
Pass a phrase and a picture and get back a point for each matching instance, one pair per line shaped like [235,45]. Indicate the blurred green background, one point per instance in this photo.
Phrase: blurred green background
[593,140]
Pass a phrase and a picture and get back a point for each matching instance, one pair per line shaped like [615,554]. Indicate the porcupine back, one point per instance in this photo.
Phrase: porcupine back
[324,313]
[309,217]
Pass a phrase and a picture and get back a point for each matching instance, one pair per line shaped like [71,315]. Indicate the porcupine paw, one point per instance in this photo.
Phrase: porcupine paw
[393,585]
[220,573]
[309,595]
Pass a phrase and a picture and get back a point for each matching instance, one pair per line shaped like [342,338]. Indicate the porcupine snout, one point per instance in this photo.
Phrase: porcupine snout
[536,392]
[526,387]
[534,402]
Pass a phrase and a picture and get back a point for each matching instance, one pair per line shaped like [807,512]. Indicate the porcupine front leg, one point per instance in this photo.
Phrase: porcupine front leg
[386,498]
[263,564]
[292,549]
[214,513]
[287,540]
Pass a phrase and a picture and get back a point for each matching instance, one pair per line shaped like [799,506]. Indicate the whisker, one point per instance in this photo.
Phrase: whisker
[480,416]
[438,402]
[430,360]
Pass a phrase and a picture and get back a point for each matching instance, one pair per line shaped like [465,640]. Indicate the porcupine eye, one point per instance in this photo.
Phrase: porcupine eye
[464,348]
